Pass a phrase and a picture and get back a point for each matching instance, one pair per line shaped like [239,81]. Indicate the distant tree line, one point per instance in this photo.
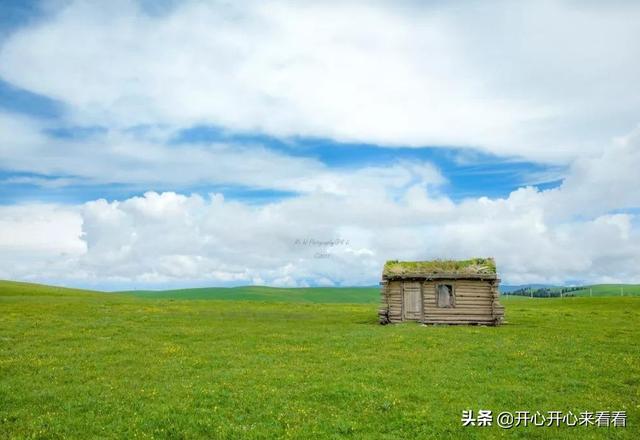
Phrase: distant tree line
[545,292]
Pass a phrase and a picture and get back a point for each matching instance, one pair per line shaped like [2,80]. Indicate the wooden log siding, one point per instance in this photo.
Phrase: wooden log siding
[473,303]
[414,284]
[383,312]
[395,301]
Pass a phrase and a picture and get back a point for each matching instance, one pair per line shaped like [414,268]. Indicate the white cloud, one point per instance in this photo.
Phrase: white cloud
[169,238]
[542,80]
[606,182]
[119,156]
[39,240]
[40,228]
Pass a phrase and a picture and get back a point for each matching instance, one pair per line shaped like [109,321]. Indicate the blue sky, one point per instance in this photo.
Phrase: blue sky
[483,175]
[156,144]
[469,173]
[14,99]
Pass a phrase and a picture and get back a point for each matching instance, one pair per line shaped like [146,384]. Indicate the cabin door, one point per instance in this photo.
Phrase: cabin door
[411,301]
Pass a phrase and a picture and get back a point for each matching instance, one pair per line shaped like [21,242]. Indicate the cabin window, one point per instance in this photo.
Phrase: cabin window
[444,293]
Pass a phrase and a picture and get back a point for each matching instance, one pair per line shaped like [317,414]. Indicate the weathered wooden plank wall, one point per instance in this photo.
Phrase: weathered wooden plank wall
[475,301]
[395,301]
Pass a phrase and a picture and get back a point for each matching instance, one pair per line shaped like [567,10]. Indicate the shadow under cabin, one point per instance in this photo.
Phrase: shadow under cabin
[441,292]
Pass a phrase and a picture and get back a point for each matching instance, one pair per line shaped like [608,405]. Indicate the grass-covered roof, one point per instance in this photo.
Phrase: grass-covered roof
[473,266]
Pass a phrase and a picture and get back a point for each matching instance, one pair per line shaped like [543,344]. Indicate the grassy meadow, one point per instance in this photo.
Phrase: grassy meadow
[355,295]
[610,290]
[78,364]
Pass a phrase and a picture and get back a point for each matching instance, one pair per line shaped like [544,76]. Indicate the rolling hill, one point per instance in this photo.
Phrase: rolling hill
[19,288]
[358,295]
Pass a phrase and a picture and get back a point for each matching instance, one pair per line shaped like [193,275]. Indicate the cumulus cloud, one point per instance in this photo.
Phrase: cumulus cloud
[40,240]
[163,238]
[601,183]
[541,80]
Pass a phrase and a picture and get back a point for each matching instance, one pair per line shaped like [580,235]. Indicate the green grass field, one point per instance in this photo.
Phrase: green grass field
[87,365]
[358,295]
[610,290]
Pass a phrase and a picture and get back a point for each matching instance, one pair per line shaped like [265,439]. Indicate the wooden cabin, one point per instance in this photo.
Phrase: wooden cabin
[441,292]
